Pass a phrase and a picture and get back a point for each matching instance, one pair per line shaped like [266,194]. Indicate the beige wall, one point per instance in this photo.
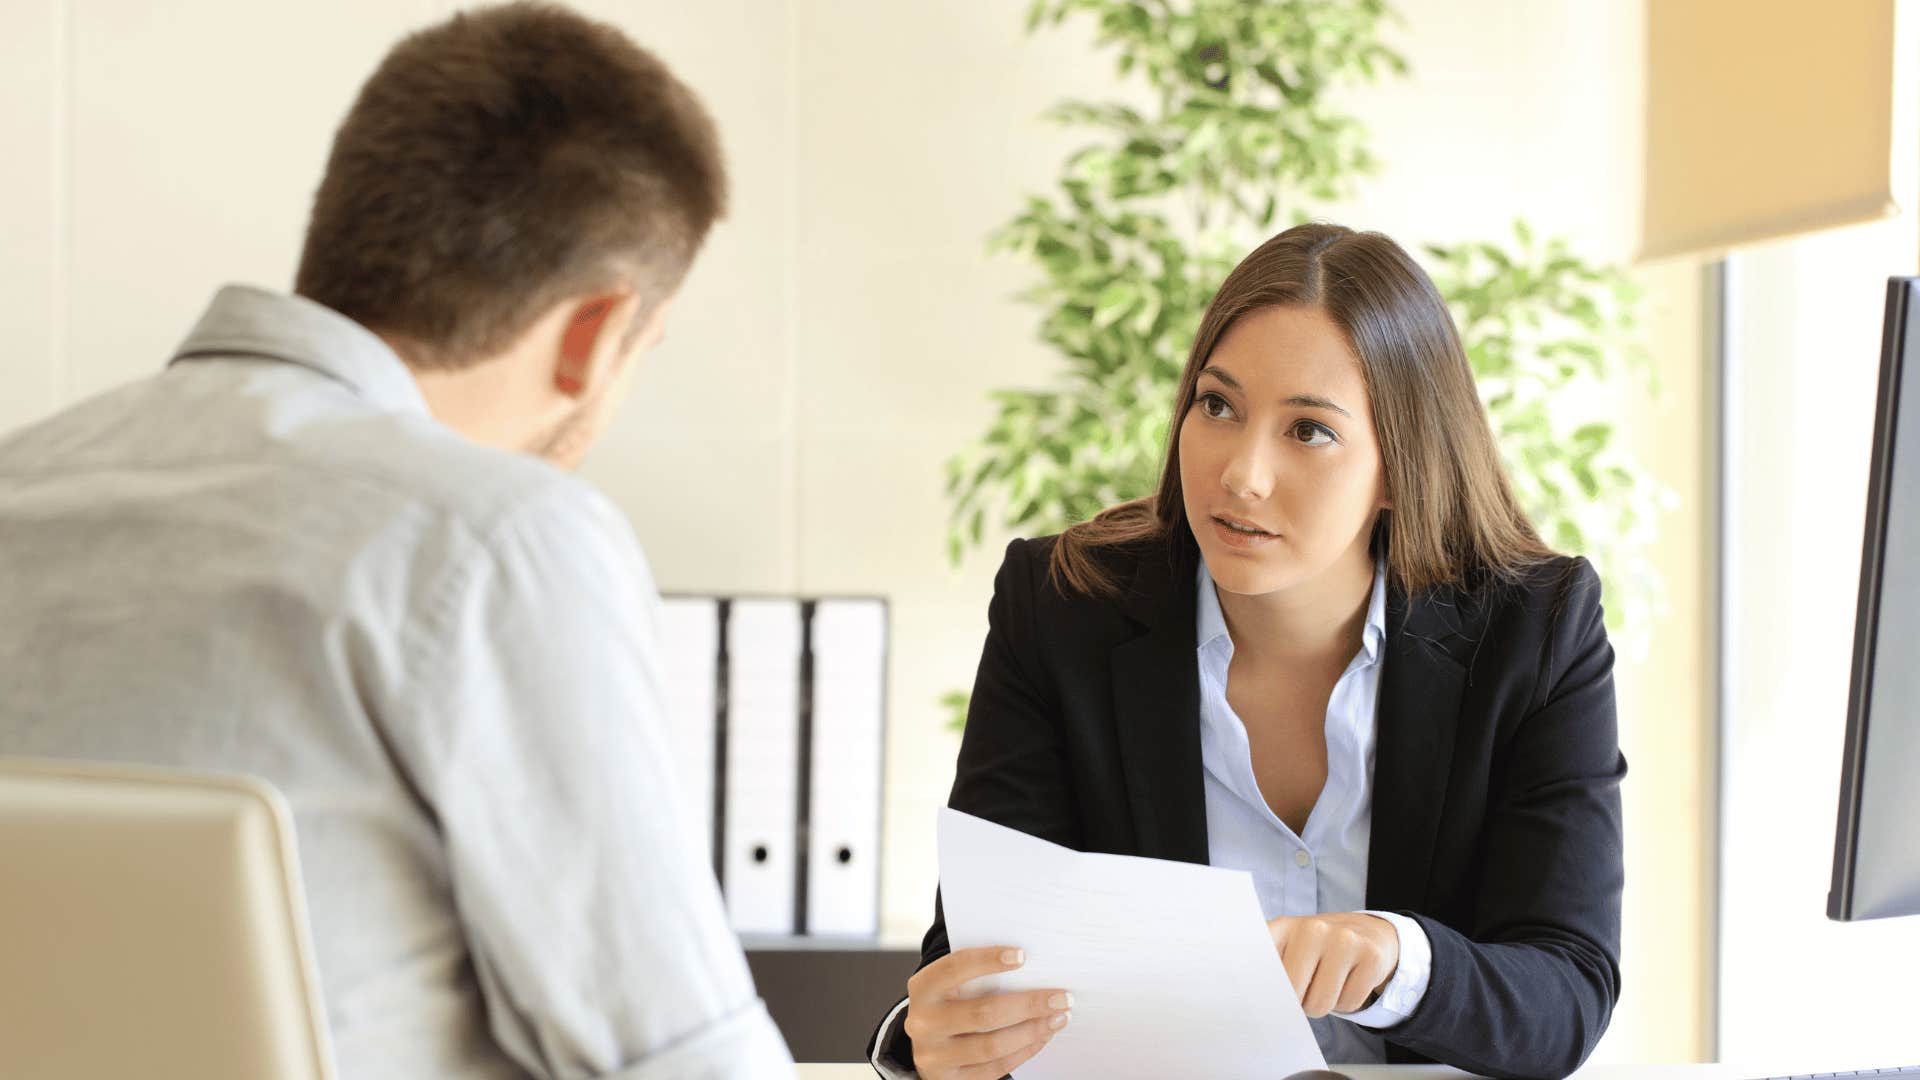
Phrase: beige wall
[838,338]
[1667,697]
[31,221]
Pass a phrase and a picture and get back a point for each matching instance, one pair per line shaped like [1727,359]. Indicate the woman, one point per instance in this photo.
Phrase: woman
[1333,652]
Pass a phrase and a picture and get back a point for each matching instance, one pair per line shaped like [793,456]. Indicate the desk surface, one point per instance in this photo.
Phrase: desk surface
[1411,1072]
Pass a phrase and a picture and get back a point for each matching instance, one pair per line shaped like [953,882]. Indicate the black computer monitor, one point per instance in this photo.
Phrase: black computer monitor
[1876,849]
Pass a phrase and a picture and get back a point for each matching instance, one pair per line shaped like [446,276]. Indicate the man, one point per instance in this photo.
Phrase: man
[333,545]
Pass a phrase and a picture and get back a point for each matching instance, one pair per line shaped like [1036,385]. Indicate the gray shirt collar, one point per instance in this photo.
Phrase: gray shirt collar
[245,321]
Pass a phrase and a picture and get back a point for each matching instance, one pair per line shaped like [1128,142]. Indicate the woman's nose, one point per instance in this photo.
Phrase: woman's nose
[1249,473]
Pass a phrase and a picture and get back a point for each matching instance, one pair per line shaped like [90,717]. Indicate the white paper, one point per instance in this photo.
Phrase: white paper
[1170,964]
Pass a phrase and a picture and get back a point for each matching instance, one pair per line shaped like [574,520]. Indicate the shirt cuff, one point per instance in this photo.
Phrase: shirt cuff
[1403,992]
[885,1040]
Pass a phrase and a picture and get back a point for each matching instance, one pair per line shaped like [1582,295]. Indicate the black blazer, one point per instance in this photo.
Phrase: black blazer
[1496,814]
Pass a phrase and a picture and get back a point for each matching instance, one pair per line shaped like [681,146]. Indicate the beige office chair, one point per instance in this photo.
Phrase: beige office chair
[152,924]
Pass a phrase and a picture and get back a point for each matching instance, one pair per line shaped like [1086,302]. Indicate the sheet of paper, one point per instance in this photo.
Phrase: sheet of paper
[1170,965]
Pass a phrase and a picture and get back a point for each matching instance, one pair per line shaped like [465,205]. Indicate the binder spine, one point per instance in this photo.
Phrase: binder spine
[835,801]
[720,698]
[803,805]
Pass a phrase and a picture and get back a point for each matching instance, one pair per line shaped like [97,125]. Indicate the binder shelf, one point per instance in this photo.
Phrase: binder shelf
[778,706]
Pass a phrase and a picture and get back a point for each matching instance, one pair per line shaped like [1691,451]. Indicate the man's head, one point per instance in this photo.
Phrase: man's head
[512,203]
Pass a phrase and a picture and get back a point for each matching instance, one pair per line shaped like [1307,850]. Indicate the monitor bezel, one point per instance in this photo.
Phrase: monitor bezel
[1903,298]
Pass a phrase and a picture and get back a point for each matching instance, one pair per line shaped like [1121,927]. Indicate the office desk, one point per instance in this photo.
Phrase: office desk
[1413,1072]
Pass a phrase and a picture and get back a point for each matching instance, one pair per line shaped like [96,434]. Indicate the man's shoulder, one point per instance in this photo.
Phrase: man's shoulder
[481,488]
[294,454]
[538,526]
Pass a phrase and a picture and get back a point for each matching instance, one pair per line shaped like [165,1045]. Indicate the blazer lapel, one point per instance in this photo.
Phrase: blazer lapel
[1156,700]
[1419,708]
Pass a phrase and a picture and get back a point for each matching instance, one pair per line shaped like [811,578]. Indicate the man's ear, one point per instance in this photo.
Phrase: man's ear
[590,346]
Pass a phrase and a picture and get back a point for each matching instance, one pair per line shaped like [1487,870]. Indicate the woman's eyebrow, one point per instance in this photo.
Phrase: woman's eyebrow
[1310,402]
[1305,401]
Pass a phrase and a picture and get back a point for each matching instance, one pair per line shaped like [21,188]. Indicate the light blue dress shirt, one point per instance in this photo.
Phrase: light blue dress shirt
[1326,869]
[271,559]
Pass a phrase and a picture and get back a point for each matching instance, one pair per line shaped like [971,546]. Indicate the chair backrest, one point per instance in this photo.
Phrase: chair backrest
[152,924]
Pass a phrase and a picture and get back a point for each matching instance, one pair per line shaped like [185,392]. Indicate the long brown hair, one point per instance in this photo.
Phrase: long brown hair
[1454,518]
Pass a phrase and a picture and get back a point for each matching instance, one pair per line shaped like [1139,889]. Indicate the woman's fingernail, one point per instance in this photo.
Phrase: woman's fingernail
[1060,1001]
[1014,957]
[1060,1021]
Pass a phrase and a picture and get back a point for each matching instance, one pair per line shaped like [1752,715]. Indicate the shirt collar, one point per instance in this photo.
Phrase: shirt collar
[1211,624]
[245,321]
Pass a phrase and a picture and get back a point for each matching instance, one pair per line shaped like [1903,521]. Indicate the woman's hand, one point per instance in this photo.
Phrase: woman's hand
[980,1038]
[1337,961]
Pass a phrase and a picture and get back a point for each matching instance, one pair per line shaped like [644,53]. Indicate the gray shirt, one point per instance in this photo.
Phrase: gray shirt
[270,559]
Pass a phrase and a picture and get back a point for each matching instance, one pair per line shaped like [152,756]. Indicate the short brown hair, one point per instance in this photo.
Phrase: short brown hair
[499,162]
[1455,520]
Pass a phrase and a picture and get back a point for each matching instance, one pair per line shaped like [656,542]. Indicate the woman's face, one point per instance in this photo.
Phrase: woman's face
[1280,468]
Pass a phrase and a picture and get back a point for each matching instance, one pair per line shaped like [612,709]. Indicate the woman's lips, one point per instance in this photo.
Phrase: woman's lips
[1233,537]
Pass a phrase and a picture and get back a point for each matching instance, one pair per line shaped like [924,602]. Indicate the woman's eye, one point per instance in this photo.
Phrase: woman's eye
[1313,434]
[1215,407]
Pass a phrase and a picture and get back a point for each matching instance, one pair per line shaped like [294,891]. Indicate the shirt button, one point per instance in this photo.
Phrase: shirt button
[1301,858]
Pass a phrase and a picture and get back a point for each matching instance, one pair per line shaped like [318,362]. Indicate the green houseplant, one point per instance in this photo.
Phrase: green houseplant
[1243,134]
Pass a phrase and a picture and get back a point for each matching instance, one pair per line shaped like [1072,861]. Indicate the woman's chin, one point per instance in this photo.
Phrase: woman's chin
[1248,573]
